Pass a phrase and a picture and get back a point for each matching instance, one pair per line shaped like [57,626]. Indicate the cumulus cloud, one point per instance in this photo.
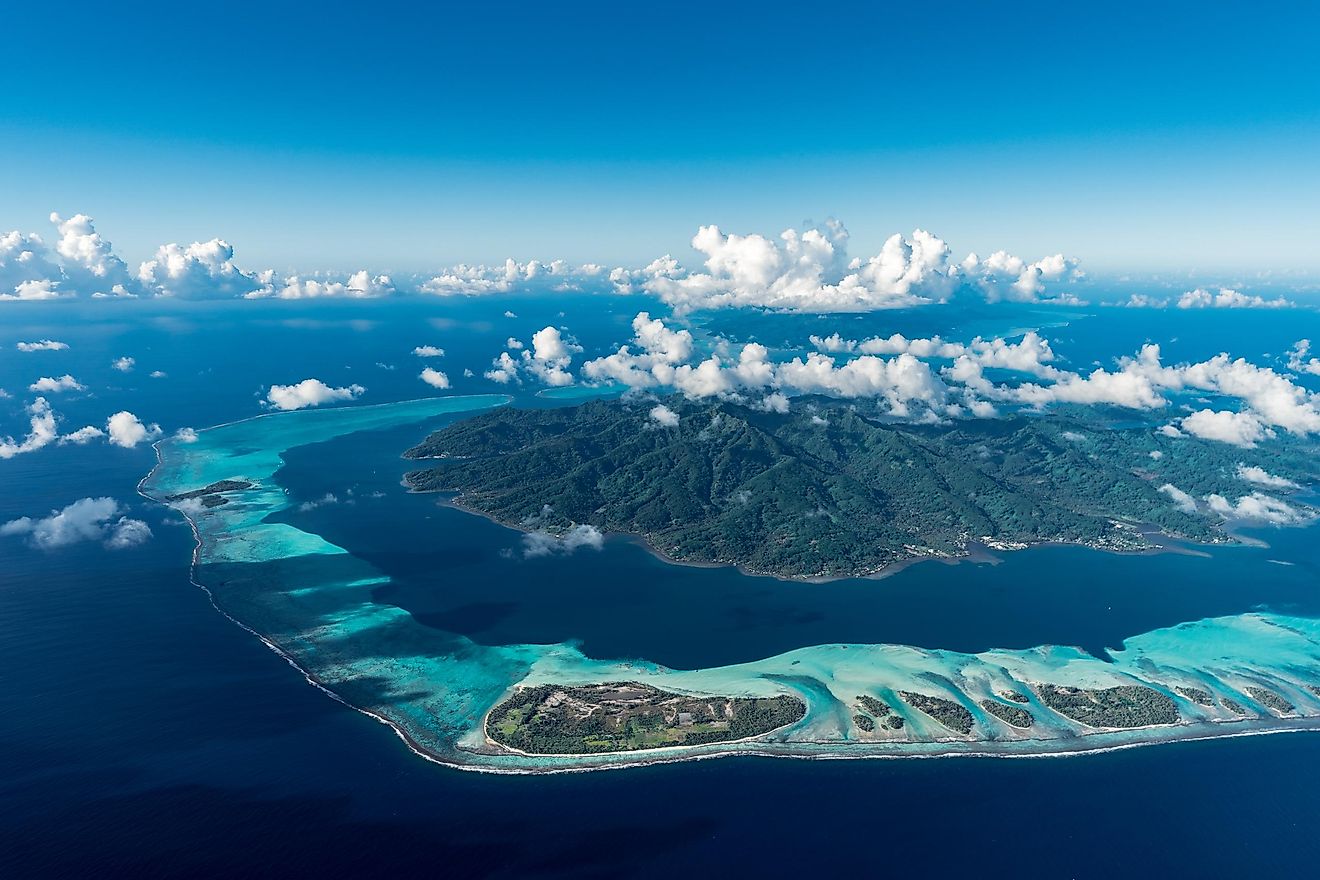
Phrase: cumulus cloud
[82,436]
[1002,276]
[185,435]
[1183,501]
[801,270]
[709,378]
[834,343]
[326,499]
[309,392]
[1270,400]
[123,364]
[660,356]
[35,290]
[1226,298]
[664,416]
[88,519]
[88,261]
[189,507]
[806,270]
[434,378]
[547,360]
[1127,388]
[469,280]
[1300,360]
[1257,507]
[1031,354]
[1145,301]
[1262,477]
[359,285]
[1238,428]
[83,262]
[1273,398]
[660,342]
[809,270]
[127,430]
[656,363]
[545,544]
[905,383]
[128,533]
[42,431]
[1201,298]
[627,281]
[659,348]
[45,345]
[901,381]
[201,270]
[47,384]
[551,355]
[27,268]
[549,345]
[503,370]
[429,351]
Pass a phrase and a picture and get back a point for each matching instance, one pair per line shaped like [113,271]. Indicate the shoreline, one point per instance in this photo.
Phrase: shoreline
[976,552]
[840,755]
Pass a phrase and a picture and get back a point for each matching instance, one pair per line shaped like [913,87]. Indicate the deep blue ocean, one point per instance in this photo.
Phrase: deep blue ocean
[142,734]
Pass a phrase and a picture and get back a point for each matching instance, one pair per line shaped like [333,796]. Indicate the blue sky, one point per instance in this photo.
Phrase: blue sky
[1134,136]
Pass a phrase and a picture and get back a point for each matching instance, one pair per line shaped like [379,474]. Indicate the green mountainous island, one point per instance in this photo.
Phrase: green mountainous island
[824,491]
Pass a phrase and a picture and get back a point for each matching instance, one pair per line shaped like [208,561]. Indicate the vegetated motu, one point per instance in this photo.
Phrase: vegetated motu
[823,491]
[946,712]
[878,709]
[212,495]
[1121,706]
[1272,700]
[1014,715]
[627,716]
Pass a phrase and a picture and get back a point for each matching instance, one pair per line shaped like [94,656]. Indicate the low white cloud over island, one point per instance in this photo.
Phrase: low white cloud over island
[309,392]
[88,519]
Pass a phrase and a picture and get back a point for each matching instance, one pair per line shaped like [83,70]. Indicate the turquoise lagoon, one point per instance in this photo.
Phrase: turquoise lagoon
[266,565]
